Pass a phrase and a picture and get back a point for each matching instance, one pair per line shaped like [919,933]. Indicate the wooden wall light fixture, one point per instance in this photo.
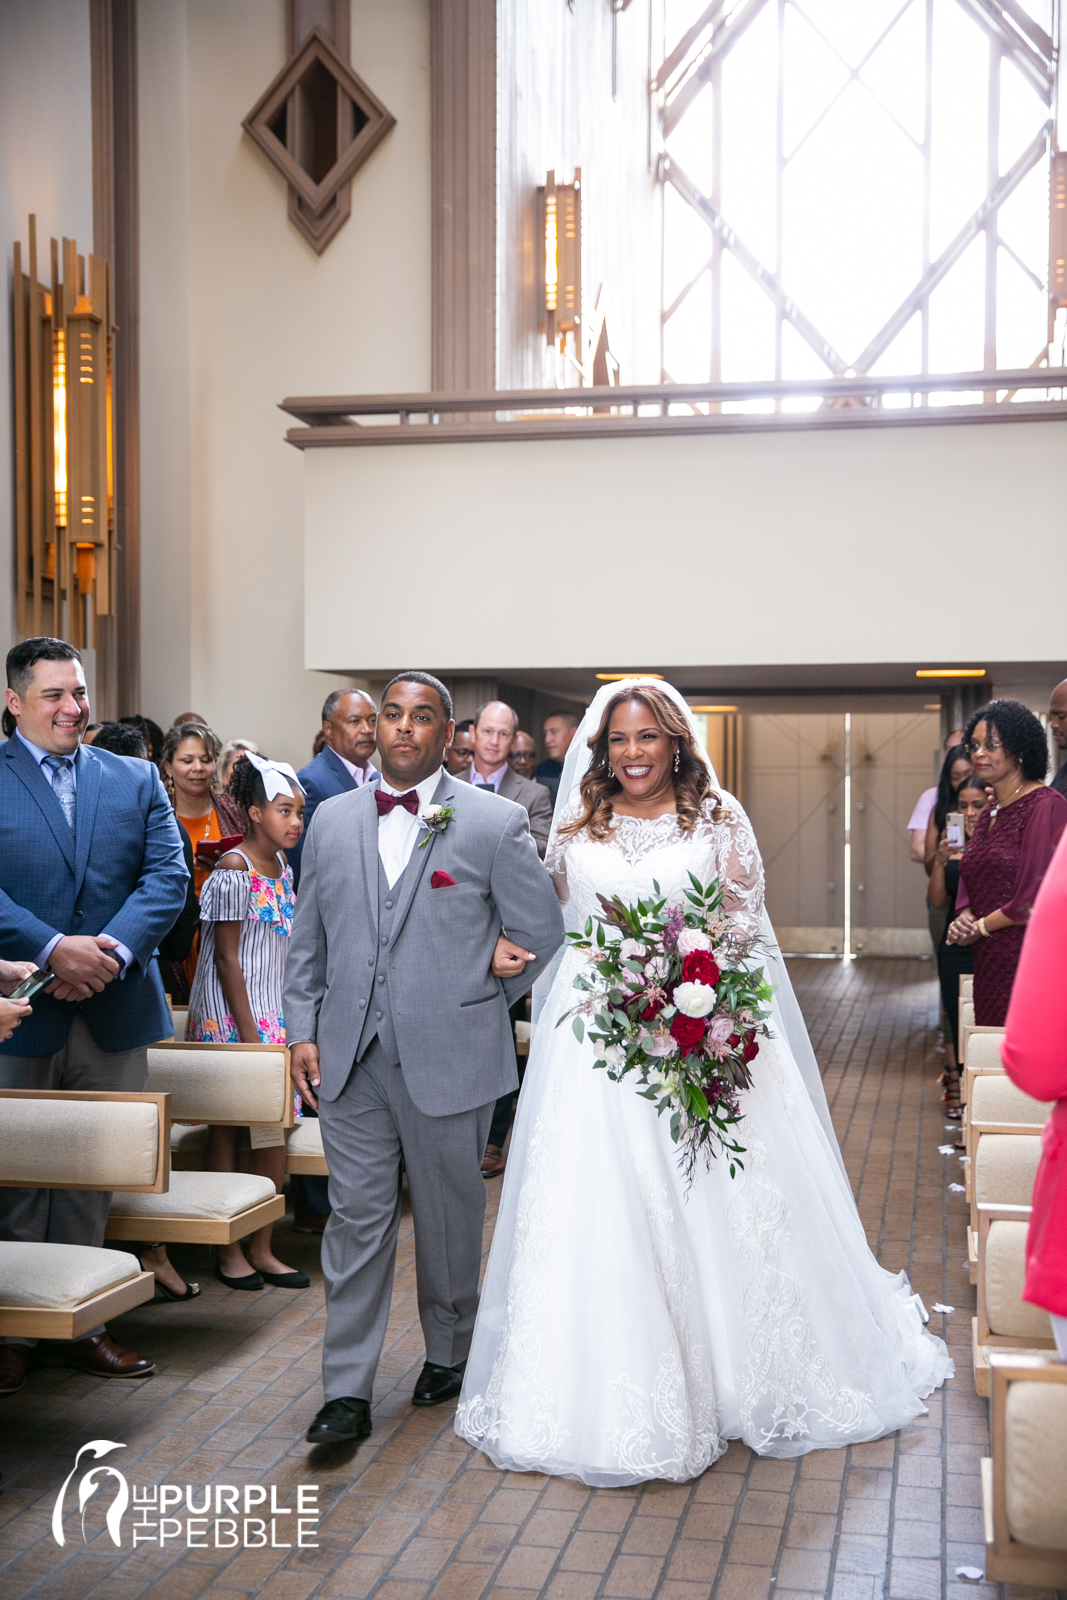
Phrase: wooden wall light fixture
[318,121]
[64,443]
[561,258]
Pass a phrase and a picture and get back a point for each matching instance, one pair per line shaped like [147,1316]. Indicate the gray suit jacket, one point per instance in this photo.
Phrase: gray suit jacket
[534,799]
[450,1014]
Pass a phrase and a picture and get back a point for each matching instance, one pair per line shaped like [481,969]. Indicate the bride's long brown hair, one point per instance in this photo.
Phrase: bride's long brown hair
[600,786]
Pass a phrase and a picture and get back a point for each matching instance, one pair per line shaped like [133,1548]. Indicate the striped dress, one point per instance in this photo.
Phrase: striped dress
[264,907]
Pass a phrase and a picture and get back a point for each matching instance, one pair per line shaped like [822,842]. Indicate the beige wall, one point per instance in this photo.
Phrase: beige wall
[237,312]
[866,545]
[46,166]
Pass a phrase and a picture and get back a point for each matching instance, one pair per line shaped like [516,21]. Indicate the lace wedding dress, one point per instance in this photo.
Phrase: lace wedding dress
[629,1327]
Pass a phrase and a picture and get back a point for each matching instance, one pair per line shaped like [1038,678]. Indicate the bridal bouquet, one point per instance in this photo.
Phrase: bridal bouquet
[670,1001]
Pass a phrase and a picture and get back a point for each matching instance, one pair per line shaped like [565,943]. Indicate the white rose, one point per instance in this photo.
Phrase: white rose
[599,1049]
[614,1055]
[694,999]
[431,813]
[691,939]
[658,967]
[631,948]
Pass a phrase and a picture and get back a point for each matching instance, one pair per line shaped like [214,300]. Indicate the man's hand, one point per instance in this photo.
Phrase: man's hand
[304,1067]
[509,960]
[12,973]
[83,966]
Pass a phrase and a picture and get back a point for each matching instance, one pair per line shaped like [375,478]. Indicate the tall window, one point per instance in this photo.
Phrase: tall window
[856,186]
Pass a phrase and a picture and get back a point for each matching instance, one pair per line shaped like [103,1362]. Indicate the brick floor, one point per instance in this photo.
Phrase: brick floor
[414,1514]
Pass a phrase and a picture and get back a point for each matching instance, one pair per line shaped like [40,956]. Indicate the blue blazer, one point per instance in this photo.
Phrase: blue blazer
[123,875]
[322,778]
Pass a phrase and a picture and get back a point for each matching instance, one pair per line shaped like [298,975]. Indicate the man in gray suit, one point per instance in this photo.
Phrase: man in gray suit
[495,727]
[397,984]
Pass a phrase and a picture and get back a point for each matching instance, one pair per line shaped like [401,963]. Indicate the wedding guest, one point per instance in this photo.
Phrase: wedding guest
[1034,1053]
[121,739]
[558,729]
[228,755]
[349,723]
[1057,722]
[152,732]
[92,878]
[12,1012]
[955,768]
[188,765]
[246,913]
[495,727]
[1009,851]
[460,753]
[189,716]
[89,737]
[522,757]
[318,744]
[953,959]
[925,804]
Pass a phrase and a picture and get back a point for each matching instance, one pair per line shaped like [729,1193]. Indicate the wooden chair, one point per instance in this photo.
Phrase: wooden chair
[68,1139]
[1004,1319]
[1024,1482]
[978,1045]
[237,1085]
[1002,1172]
[306,1156]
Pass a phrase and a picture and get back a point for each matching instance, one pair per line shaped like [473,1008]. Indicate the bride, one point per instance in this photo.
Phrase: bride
[629,1326]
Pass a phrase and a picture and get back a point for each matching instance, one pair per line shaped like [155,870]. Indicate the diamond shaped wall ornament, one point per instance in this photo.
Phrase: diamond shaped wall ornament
[318,122]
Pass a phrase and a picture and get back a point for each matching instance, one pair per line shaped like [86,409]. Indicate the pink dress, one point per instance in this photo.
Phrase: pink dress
[1001,870]
[1035,1055]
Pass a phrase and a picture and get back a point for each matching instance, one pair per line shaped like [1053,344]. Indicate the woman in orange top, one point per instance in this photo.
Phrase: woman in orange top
[188,764]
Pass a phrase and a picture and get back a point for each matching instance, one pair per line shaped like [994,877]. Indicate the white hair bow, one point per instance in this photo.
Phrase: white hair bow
[278,777]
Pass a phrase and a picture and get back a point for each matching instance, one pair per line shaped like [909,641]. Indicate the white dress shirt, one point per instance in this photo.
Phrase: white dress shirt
[493,781]
[41,958]
[398,832]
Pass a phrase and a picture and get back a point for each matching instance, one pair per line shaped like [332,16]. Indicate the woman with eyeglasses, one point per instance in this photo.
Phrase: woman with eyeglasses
[1009,851]
[970,799]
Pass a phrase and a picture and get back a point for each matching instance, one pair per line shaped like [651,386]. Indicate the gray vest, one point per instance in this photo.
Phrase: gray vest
[379,1017]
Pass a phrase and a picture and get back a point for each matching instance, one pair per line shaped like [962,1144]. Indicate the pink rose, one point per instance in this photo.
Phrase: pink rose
[720,1030]
[691,939]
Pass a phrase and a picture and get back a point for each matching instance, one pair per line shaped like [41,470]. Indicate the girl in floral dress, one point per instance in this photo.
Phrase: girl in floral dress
[246,913]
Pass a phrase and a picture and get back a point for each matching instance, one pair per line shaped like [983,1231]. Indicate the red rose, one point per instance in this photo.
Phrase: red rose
[751,1050]
[687,1031]
[734,1040]
[652,1010]
[700,968]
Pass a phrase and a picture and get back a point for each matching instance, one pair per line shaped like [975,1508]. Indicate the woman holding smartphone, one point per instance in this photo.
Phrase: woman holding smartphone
[12,975]
[953,959]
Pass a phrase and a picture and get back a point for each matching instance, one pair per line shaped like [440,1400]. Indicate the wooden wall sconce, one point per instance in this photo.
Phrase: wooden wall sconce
[318,121]
[561,257]
[64,450]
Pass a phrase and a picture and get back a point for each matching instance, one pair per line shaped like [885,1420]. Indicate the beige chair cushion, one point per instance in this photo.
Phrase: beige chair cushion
[1005,1166]
[99,1142]
[983,1052]
[220,1085]
[180,1015]
[306,1138]
[967,1014]
[998,1100]
[55,1277]
[197,1194]
[1035,1459]
[966,985]
[188,1146]
[1005,1272]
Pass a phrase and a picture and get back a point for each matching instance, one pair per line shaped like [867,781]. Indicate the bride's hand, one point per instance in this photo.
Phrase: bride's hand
[509,960]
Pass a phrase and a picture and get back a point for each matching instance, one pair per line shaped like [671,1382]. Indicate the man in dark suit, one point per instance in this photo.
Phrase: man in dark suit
[349,727]
[495,727]
[559,729]
[91,879]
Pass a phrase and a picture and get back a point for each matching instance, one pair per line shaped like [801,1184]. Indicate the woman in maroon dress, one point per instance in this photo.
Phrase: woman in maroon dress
[1009,851]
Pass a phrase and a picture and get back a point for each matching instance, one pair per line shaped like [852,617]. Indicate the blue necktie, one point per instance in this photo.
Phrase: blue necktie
[63,786]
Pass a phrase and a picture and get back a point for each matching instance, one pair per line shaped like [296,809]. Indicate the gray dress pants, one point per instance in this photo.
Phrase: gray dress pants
[66,1216]
[365,1131]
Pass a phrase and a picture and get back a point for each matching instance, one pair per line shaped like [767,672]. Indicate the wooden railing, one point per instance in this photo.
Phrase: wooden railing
[649,409]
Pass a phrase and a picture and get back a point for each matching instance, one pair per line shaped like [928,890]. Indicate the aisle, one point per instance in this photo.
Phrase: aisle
[416,1514]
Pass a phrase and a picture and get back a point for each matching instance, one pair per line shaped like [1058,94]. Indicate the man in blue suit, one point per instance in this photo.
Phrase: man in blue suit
[349,727]
[92,877]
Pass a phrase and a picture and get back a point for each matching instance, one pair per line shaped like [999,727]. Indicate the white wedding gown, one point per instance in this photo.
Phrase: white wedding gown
[630,1327]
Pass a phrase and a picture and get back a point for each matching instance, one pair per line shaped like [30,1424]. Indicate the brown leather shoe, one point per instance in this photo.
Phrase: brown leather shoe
[101,1356]
[492,1161]
[14,1359]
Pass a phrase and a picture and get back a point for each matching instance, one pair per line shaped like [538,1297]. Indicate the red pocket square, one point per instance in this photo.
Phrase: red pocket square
[441,880]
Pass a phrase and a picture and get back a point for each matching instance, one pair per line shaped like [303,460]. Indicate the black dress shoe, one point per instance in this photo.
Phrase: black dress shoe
[338,1420]
[437,1384]
[247,1280]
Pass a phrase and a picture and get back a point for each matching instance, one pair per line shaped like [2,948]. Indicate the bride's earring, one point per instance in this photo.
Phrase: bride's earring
[677,760]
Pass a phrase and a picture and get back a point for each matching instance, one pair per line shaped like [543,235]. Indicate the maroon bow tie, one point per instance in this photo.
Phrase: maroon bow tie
[386,802]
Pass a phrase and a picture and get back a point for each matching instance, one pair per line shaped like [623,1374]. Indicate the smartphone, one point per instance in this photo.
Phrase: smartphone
[954,830]
[33,984]
[210,850]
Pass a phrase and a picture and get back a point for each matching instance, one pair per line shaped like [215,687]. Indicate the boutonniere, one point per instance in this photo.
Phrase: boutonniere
[436,819]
